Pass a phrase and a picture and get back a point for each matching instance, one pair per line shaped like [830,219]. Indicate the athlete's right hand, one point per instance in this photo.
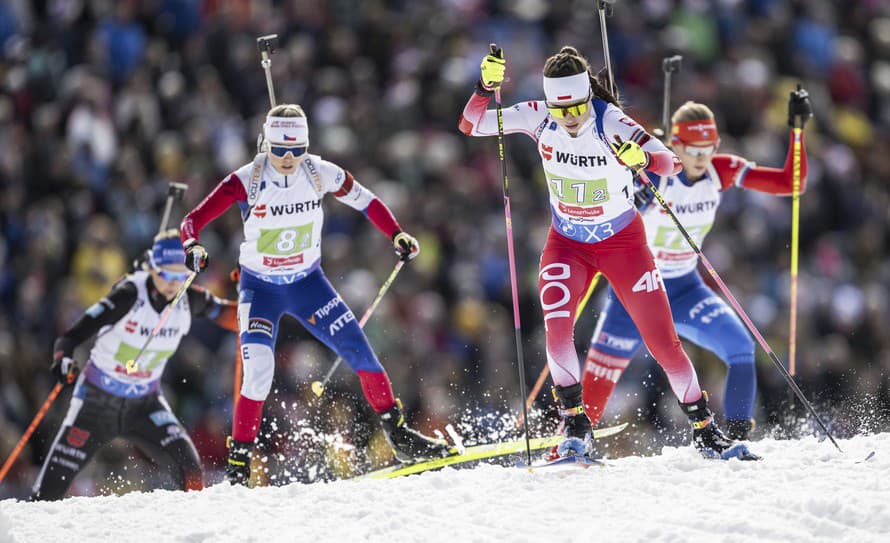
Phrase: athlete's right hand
[196,258]
[64,368]
[493,66]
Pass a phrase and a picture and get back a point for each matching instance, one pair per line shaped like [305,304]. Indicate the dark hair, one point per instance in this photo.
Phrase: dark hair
[570,62]
[287,110]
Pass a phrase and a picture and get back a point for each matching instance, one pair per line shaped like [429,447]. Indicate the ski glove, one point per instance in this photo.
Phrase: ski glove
[196,258]
[406,246]
[631,154]
[642,195]
[799,108]
[493,66]
[64,368]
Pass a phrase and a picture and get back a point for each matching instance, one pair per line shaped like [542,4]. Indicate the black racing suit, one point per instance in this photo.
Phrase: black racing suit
[95,416]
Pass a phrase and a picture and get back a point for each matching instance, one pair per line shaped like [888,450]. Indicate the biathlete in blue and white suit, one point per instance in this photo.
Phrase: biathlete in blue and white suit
[280,197]
[700,315]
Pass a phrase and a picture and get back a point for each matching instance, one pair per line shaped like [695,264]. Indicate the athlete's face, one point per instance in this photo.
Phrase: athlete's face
[167,279]
[570,115]
[285,158]
[696,156]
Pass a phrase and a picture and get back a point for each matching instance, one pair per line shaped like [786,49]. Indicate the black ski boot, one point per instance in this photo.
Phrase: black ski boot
[738,429]
[710,441]
[410,445]
[238,464]
[576,429]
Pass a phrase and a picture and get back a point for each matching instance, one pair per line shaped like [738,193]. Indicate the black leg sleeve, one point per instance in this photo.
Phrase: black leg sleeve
[160,435]
[90,423]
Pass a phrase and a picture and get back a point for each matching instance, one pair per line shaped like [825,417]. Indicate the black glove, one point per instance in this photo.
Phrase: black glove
[196,258]
[799,108]
[642,195]
[64,368]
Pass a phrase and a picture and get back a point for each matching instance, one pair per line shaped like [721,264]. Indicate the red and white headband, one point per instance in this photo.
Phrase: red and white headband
[568,88]
[704,130]
[287,131]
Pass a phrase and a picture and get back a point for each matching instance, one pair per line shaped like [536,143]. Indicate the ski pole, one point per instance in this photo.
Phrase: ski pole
[174,193]
[517,327]
[795,245]
[668,66]
[133,364]
[27,435]
[738,309]
[318,386]
[546,370]
[605,9]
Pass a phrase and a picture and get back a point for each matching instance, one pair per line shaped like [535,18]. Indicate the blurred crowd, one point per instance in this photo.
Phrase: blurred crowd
[103,103]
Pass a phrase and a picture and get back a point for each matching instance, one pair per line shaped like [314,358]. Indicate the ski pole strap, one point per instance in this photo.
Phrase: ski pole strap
[572,411]
[699,424]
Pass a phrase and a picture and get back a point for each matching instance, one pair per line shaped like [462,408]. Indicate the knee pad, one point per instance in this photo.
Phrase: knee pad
[259,368]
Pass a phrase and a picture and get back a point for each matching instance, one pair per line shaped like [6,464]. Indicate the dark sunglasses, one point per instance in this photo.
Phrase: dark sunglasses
[280,151]
[171,276]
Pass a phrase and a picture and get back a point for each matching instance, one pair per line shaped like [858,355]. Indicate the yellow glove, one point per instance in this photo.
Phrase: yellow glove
[405,245]
[493,66]
[631,154]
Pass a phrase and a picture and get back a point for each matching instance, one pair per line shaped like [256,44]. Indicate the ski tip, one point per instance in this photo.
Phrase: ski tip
[867,458]
[567,461]
[317,388]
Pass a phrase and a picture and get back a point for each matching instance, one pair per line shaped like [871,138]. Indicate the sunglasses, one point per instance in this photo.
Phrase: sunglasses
[171,276]
[280,151]
[576,110]
[699,150]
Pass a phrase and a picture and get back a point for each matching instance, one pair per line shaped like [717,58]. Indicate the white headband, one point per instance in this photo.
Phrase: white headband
[571,87]
[286,130]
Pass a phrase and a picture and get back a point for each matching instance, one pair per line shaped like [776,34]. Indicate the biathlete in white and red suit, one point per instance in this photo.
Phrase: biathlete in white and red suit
[587,145]
[280,197]
[699,314]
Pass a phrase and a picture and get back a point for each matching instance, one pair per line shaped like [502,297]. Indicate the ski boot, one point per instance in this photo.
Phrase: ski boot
[576,429]
[710,441]
[738,429]
[410,445]
[238,464]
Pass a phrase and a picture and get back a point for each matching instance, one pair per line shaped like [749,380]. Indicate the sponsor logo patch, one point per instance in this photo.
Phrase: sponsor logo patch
[547,151]
[261,326]
[162,417]
[577,211]
[77,437]
[274,262]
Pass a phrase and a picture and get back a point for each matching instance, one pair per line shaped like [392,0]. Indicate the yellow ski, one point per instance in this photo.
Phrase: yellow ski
[480,452]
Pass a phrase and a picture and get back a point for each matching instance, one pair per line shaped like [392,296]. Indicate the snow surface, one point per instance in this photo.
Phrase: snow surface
[803,491]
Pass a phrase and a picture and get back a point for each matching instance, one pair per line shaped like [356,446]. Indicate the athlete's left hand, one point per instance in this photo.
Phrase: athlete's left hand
[799,108]
[406,246]
[631,154]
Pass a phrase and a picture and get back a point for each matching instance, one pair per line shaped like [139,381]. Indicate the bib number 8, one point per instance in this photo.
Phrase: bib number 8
[285,241]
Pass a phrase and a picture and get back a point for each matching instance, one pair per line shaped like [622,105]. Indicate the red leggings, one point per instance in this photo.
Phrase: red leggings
[568,267]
